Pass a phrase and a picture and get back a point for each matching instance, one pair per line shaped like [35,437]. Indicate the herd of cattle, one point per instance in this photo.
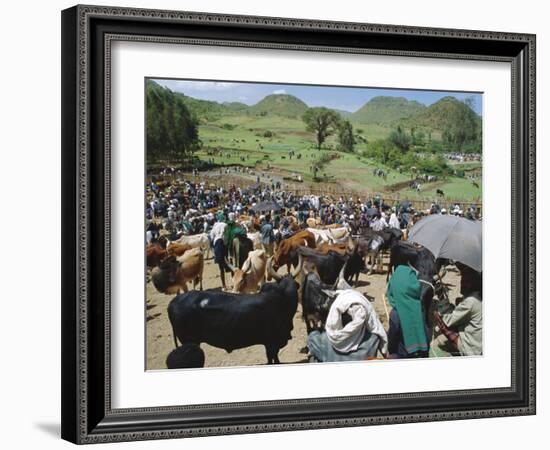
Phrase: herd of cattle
[315,261]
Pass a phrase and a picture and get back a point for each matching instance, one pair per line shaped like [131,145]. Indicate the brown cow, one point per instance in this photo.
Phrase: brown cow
[174,272]
[342,249]
[252,273]
[282,255]
[175,249]
[154,254]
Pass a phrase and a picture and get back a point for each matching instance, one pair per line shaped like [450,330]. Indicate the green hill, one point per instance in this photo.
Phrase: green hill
[236,106]
[441,113]
[204,108]
[281,105]
[386,110]
[459,125]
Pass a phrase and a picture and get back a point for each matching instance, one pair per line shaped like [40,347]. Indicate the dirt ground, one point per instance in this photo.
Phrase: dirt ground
[160,341]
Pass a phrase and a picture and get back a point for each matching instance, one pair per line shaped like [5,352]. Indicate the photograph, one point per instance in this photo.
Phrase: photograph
[300,223]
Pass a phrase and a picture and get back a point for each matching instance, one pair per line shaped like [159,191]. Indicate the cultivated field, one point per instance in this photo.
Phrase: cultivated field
[262,142]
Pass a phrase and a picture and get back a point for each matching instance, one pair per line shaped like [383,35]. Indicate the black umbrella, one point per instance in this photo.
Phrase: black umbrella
[266,207]
[450,237]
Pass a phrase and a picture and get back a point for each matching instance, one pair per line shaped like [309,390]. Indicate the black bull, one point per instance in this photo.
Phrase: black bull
[233,321]
[316,301]
[240,248]
[329,266]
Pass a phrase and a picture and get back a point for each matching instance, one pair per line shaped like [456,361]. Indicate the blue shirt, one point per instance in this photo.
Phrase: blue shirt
[267,233]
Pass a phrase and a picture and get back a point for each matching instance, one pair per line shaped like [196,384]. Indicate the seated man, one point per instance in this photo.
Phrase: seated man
[461,325]
[353,331]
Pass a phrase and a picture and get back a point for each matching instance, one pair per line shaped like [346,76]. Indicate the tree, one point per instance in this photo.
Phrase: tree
[400,139]
[381,150]
[321,121]
[418,138]
[463,127]
[172,131]
[346,139]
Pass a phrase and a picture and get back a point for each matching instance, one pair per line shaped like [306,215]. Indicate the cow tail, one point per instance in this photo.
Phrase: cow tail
[175,338]
[390,267]
[173,329]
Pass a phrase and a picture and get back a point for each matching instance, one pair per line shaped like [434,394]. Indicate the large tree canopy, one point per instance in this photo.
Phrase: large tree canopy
[400,139]
[346,139]
[172,133]
[321,121]
[462,128]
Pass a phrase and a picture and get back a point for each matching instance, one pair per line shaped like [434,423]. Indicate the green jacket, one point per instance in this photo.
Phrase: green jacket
[404,295]
[232,230]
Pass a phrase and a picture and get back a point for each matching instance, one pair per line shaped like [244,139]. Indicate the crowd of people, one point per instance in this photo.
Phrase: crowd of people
[191,208]
[353,330]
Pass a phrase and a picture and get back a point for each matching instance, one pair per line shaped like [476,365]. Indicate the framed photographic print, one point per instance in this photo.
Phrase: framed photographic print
[281,224]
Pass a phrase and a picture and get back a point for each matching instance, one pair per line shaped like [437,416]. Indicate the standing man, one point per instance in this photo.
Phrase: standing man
[378,224]
[216,237]
[268,237]
[394,221]
[408,333]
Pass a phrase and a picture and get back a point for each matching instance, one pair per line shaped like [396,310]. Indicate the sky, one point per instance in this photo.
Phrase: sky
[344,98]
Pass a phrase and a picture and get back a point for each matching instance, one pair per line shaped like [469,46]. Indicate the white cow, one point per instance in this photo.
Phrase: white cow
[256,239]
[196,241]
[330,235]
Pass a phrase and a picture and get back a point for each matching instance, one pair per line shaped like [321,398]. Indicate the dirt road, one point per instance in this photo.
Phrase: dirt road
[160,341]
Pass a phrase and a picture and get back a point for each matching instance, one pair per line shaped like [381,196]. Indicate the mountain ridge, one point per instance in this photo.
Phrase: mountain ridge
[384,109]
[280,104]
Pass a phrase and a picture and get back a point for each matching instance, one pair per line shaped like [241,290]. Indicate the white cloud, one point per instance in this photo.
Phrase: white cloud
[206,85]
[280,91]
[200,86]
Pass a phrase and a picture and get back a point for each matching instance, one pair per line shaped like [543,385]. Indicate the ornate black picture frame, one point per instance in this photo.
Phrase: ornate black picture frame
[87,34]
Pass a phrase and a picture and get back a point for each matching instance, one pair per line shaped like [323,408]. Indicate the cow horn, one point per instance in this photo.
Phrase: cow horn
[270,271]
[298,269]
[341,275]
[232,268]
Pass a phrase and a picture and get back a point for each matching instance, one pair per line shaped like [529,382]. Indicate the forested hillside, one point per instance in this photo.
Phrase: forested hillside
[172,132]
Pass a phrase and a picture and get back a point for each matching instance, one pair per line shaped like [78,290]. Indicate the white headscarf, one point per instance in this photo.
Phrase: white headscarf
[394,222]
[363,316]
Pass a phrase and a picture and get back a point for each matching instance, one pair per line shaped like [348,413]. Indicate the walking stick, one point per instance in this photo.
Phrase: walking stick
[386,307]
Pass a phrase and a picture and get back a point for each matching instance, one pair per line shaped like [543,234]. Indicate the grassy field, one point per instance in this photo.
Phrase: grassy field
[246,140]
